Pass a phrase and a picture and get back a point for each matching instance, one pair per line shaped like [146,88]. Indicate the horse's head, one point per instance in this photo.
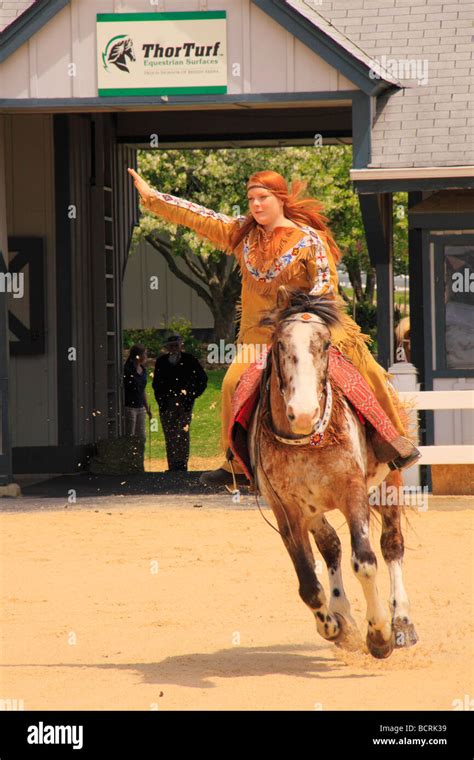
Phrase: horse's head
[120,51]
[301,338]
[128,49]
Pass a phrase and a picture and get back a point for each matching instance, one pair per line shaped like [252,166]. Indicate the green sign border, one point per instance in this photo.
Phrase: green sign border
[173,15]
[143,91]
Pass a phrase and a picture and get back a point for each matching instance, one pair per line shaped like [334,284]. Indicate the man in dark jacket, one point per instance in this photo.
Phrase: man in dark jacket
[177,382]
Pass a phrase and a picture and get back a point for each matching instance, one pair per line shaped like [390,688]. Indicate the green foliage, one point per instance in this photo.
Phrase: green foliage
[216,178]
[181,326]
[152,338]
[365,316]
[149,337]
[400,233]
[206,421]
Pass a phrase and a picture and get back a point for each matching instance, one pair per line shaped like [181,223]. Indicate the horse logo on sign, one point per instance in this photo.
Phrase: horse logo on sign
[117,51]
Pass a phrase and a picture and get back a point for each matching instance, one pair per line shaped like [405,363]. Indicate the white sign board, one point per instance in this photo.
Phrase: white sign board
[161,53]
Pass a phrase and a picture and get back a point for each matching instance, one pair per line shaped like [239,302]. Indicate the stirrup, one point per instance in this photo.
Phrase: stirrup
[220,477]
[234,488]
[401,463]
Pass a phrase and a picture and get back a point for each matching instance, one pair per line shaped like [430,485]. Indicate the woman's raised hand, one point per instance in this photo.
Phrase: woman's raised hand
[143,187]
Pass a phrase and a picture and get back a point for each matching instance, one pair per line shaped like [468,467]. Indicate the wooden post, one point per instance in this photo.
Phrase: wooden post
[377,217]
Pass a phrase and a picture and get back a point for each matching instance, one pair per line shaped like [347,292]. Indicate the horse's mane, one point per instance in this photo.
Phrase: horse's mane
[300,301]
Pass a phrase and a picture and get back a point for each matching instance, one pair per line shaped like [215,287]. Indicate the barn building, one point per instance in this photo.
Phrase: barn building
[83,83]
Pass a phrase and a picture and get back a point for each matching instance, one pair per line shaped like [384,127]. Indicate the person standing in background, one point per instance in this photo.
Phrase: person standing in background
[134,383]
[177,382]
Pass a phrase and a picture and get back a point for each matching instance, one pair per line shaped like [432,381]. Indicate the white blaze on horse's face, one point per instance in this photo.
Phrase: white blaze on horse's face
[302,351]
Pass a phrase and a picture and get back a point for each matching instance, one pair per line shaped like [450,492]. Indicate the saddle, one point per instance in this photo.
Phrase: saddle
[346,381]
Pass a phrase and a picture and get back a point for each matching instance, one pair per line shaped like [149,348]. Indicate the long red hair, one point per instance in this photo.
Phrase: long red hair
[300,210]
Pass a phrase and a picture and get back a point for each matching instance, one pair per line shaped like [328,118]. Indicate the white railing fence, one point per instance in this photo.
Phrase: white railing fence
[453,454]
[404,378]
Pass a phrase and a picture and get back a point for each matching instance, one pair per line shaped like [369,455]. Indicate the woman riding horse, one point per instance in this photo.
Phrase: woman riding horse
[283,240]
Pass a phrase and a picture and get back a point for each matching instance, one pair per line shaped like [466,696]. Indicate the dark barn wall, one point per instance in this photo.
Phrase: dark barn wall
[104,197]
[126,215]
[126,202]
[93,209]
[82,306]
[106,213]
[113,213]
[30,201]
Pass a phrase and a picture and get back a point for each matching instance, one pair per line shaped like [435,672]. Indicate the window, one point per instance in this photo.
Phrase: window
[458,266]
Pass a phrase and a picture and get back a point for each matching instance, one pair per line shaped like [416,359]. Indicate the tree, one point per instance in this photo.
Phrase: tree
[217,178]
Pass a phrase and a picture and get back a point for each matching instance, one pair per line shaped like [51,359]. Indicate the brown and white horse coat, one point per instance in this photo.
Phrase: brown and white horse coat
[302,482]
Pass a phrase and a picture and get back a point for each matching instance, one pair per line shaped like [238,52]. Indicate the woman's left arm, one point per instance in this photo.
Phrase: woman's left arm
[322,273]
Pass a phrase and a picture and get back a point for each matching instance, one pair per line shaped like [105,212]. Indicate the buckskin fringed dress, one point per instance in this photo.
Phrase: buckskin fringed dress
[297,257]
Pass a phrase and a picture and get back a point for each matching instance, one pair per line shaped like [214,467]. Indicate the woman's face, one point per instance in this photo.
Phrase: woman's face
[263,205]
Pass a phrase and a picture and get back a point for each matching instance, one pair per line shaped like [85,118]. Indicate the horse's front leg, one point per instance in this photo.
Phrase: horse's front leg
[364,564]
[296,540]
[392,545]
[329,545]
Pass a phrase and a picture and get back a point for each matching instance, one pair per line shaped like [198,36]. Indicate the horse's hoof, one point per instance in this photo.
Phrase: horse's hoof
[349,637]
[377,645]
[404,633]
[330,627]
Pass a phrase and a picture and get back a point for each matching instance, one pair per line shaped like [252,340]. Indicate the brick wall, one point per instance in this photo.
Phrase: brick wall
[425,124]
[10,10]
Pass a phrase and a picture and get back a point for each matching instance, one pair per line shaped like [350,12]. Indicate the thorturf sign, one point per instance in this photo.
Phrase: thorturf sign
[161,53]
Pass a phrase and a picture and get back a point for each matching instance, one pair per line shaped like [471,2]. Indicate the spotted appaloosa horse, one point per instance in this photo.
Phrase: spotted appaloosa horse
[303,482]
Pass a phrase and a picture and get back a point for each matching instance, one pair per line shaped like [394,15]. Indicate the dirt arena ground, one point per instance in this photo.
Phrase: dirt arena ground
[190,603]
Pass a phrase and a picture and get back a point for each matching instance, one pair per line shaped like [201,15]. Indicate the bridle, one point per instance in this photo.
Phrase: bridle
[316,436]
[264,419]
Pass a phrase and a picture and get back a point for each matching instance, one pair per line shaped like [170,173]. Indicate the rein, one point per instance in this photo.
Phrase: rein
[264,387]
